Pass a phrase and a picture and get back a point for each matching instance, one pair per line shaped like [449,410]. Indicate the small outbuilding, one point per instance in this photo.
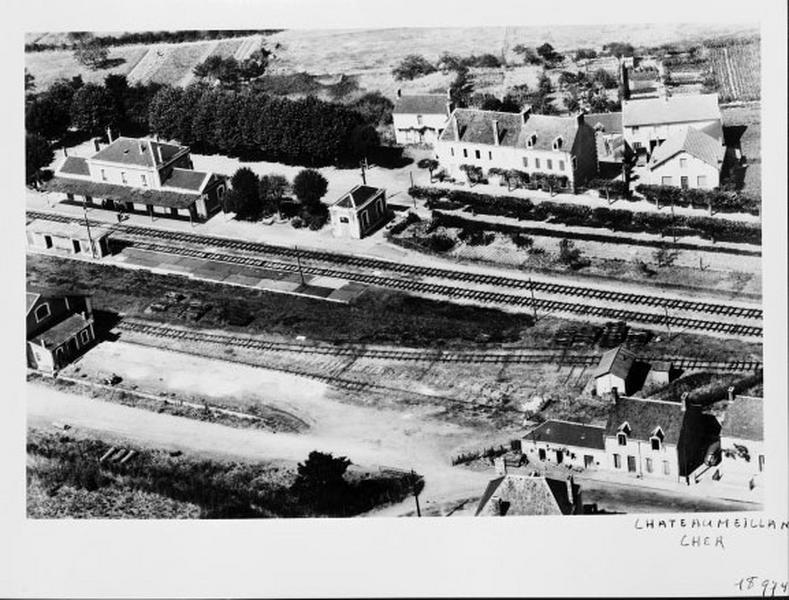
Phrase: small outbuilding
[358,212]
[59,328]
[615,370]
[73,238]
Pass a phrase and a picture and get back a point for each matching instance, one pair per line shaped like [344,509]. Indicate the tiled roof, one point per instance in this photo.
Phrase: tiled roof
[692,141]
[56,335]
[121,193]
[609,122]
[74,165]
[358,197]
[617,361]
[476,127]
[137,151]
[525,495]
[421,104]
[744,419]
[670,109]
[186,179]
[569,434]
[644,416]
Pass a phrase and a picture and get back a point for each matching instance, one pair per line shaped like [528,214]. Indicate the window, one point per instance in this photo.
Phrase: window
[683,163]
[84,336]
[536,163]
[452,152]
[557,143]
[344,220]
[649,465]
[655,442]
[48,241]
[666,468]
[561,165]
[42,312]
[683,182]
[476,154]
[549,164]
[631,464]
[701,181]
[621,439]
[637,146]
[666,180]
[525,161]
[490,155]
[144,181]
[657,438]
[761,463]
[103,175]
[617,461]
[419,120]
[465,153]
[123,176]
[635,128]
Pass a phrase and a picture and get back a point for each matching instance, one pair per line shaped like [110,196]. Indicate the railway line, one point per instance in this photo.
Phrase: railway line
[138,232]
[513,356]
[522,301]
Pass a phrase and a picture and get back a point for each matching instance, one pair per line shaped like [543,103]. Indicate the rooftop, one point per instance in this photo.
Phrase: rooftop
[74,165]
[421,104]
[186,179]
[617,361]
[525,495]
[671,109]
[644,417]
[143,152]
[121,193]
[72,229]
[605,122]
[359,197]
[56,335]
[569,434]
[744,419]
[692,141]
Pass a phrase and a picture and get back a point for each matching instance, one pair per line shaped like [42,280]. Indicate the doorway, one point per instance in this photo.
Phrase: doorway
[541,454]
[683,182]
[77,247]
[631,464]
[588,461]
[48,241]
[559,456]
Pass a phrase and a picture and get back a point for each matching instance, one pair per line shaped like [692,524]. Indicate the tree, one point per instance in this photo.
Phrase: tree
[320,481]
[93,109]
[309,186]
[374,108]
[91,53]
[362,140]
[413,66]
[246,189]
[571,102]
[38,154]
[49,113]
[664,256]
[544,84]
[548,54]
[570,255]
[620,49]
[605,79]
[30,82]
[450,62]
[516,98]
[430,164]
[585,53]
[486,102]
[461,88]
[528,55]
[272,190]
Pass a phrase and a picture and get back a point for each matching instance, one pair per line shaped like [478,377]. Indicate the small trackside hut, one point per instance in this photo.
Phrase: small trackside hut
[75,238]
[358,212]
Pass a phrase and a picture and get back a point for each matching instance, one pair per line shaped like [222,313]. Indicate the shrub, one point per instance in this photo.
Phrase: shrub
[441,242]
[521,240]
[297,222]
[413,66]
[309,186]
[400,227]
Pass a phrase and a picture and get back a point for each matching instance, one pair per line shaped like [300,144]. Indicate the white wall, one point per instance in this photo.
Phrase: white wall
[736,469]
[692,169]
[407,127]
[113,174]
[572,455]
[643,451]
[644,133]
[605,383]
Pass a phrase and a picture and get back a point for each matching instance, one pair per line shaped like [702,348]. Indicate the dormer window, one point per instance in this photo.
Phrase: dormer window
[123,176]
[531,140]
[144,181]
[656,440]
[557,143]
[622,434]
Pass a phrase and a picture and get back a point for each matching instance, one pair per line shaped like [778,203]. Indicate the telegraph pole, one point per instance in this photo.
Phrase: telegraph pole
[668,324]
[87,227]
[364,177]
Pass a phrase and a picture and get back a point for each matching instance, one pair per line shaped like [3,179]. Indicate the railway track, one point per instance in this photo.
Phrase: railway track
[453,292]
[543,287]
[514,356]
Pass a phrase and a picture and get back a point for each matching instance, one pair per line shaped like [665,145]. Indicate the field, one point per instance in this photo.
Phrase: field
[737,70]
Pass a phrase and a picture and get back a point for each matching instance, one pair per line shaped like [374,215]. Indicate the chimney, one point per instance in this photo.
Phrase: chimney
[158,154]
[615,394]
[495,123]
[580,117]
[730,392]
[109,135]
[65,151]
[399,93]
[450,108]
[500,465]
[96,144]
[142,147]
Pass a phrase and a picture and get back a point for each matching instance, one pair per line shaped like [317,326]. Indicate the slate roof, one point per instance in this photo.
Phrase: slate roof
[137,151]
[568,434]
[121,193]
[421,104]
[358,197]
[74,165]
[692,141]
[644,416]
[57,334]
[744,419]
[610,122]
[476,127]
[670,109]
[617,361]
[186,179]
[526,495]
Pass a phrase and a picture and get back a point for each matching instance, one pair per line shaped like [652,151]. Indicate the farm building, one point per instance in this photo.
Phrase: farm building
[689,159]
[563,442]
[519,495]
[420,118]
[609,141]
[563,147]
[141,175]
[68,238]
[742,440]
[59,328]
[358,212]
[658,439]
[615,371]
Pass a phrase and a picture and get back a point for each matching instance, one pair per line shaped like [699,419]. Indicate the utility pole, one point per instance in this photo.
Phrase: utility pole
[87,227]
[411,175]
[533,301]
[416,496]
[364,177]
[298,262]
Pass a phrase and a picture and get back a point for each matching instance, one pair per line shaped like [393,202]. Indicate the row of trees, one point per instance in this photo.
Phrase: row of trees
[713,200]
[230,72]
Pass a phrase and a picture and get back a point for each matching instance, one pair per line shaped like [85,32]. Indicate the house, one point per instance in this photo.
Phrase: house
[358,212]
[140,175]
[420,118]
[609,140]
[72,238]
[519,495]
[742,440]
[688,159]
[564,442]
[564,147]
[59,328]
[657,439]
[615,371]
[648,122]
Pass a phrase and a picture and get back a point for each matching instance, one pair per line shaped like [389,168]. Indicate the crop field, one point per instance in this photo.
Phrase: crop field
[737,69]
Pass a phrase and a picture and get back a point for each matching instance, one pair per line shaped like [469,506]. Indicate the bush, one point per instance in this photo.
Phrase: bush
[521,240]
[413,66]
[441,242]
[400,227]
[476,236]
[309,186]
[297,222]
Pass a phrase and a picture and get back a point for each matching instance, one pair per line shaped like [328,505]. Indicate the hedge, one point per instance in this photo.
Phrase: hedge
[720,201]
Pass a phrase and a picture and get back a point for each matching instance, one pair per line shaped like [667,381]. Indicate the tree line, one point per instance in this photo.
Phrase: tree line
[147,37]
